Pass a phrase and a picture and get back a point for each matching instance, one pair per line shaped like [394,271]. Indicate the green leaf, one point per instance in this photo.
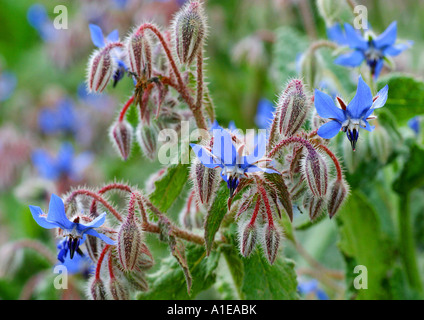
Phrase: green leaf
[363,243]
[406,96]
[169,186]
[412,174]
[169,283]
[263,281]
[215,215]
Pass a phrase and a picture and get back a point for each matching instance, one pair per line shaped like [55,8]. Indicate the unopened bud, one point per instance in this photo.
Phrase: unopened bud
[338,192]
[316,120]
[139,54]
[310,67]
[97,289]
[117,290]
[380,144]
[121,134]
[316,205]
[100,70]
[138,281]
[205,181]
[292,108]
[189,31]
[248,240]
[147,139]
[315,171]
[145,259]
[129,243]
[271,242]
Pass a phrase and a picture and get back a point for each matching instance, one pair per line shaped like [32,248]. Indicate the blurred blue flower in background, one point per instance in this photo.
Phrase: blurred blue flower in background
[351,117]
[79,264]
[414,124]
[61,119]
[39,20]
[373,49]
[8,83]
[264,113]
[64,164]
[311,289]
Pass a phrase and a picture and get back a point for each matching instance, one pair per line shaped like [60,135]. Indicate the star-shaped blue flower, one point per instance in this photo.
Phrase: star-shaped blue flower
[234,164]
[74,232]
[371,48]
[351,117]
[100,41]
[65,164]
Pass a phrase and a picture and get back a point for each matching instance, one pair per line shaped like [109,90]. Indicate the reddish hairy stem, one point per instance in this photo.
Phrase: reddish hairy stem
[110,266]
[36,246]
[255,211]
[267,206]
[100,261]
[112,186]
[96,197]
[125,108]
[182,88]
[286,142]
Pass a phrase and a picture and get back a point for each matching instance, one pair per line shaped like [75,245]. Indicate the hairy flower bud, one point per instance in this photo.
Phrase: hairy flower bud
[271,242]
[380,144]
[138,281]
[248,237]
[292,108]
[97,289]
[147,139]
[129,243]
[314,169]
[139,54]
[310,65]
[145,259]
[117,290]
[121,134]
[205,181]
[316,205]
[337,194]
[189,31]
[100,70]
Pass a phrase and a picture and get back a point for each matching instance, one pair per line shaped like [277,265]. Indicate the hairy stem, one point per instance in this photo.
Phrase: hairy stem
[125,108]
[408,244]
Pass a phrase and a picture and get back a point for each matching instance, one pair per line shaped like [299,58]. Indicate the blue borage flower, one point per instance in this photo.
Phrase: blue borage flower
[223,154]
[414,124]
[311,288]
[61,118]
[373,49]
[38,18]
[100,41]
[349,118]
[64,164]
[74,232]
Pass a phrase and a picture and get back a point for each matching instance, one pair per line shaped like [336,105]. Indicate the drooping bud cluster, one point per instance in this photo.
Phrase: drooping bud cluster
[121,134]
[189,28]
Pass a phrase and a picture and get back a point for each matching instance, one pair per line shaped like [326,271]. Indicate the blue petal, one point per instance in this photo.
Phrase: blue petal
[253,168]
[223,147]
[101,236]
[336,34]
[382,97]
[388,37]
[57,213]
[351,59]
[354,39]
[42,221]
[326,108]
[232,126]
[215,125]
[204,156]
[368,127]
[378,68]
[308,286]
[97,36]
[65,158]
[398,48]
[113,36]
[264,113]
[414,124]
[329,129]
[98,222]
[259,151]
[321,295]
[362,101]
